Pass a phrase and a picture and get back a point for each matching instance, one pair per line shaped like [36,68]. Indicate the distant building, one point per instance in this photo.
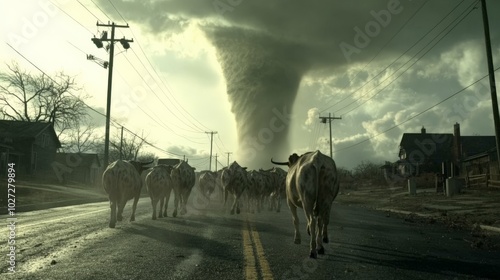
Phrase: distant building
[430,152]
[423,152]
[79,167]
[168,161]
[30,145]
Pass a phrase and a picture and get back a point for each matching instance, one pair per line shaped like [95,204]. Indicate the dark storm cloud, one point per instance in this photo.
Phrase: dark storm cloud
[266,47]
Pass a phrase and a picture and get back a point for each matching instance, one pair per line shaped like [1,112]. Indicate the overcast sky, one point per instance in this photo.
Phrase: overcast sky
[261,72]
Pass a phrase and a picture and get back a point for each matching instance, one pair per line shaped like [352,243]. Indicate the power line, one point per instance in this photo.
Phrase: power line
[411,65]
[97,6]
[55,5]
[377,54]
[183,111]
[29,61]
[99,113]
[99,20]
[117,10]
[393,62]
[419,114]
[161,80]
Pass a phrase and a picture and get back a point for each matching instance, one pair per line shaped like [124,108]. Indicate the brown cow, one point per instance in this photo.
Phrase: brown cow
[312,184]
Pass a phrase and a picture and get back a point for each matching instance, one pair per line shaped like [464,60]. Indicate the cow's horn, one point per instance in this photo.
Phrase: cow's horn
[279,163]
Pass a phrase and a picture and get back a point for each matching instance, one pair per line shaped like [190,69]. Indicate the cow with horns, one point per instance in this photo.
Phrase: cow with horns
[122,182]
[234,181]
[312,184]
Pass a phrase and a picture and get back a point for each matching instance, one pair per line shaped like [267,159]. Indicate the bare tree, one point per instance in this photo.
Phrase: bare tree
[146,157]
[367,170]
[81,139]
[130,146]
[29,97]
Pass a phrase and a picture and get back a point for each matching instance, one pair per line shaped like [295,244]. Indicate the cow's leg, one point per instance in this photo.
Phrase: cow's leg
[162,204]
[319,242]
[313,227]
[167,199]
[326,220]
[295,219]
[112,219]
[134,206]
[183,205]
[226,193]
[233,207]
[154,202]
[237,200]
[176,202]
[121,205]
[279,203]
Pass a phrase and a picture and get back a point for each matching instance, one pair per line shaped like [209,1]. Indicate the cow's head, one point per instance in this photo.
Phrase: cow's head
[292,159]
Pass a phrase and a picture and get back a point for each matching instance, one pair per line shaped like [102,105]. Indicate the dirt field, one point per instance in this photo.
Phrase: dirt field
[477,210]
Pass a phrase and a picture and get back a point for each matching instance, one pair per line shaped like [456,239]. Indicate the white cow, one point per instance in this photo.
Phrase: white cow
[159,186]
[234,181]
[122,182]
[206,183]
[312,184]
[183,179]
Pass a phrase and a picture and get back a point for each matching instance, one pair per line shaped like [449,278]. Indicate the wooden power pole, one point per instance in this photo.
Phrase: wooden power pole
[491,72]
[330,118]
[211,144]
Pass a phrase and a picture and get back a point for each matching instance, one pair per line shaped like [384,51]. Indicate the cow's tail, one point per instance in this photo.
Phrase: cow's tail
[316,182]
[110,182]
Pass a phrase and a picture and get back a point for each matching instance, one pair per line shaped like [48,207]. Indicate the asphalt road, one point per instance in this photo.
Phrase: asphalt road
[75,243]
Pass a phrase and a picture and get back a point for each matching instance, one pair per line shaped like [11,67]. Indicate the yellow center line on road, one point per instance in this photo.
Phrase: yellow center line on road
[264,265]
[250,269]
[251,238]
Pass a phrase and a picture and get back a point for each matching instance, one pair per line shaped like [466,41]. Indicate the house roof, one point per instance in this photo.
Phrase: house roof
[440,150]
[492,153]
[473,145]
[22,130]
[411,139]
[86,158]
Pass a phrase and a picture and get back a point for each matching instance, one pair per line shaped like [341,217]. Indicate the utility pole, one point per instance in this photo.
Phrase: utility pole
[211,143]
[491,72]
[99,43]
[215,162]
[121,144]
[330,118]
[228,153]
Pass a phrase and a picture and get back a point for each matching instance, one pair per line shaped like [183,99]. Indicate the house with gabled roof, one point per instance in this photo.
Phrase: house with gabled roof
[31,146]
[423,152]
[440,152]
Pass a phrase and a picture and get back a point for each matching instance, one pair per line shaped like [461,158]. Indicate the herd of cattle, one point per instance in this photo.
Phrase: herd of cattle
[311,183]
